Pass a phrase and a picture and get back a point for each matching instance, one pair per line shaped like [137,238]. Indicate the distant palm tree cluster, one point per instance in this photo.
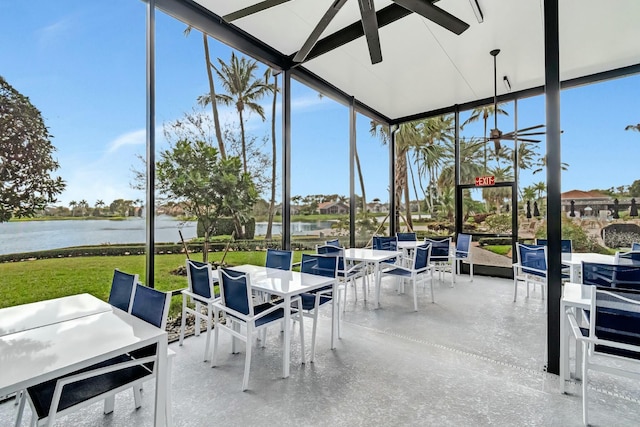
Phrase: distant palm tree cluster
[117,208]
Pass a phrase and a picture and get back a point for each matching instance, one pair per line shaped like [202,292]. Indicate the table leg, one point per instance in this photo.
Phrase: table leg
[564,347]
[335,313]
[377,279]
[287,337]
[160,416]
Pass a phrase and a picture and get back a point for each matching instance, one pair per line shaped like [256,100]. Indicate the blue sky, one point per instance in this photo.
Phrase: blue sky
[83,65]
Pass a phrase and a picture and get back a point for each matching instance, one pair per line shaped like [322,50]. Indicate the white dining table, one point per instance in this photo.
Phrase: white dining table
[287,284]
[374,257]
[575,298]
[60,341]
[575,260]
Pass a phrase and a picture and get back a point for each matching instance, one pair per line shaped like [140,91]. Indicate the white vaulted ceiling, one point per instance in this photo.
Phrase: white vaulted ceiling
[425,67]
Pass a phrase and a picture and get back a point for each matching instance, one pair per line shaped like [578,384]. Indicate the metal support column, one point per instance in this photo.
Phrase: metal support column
[352,155]
[393,212]
[554,210]
[286,159]
[151,144]
[514,193]
[456,159]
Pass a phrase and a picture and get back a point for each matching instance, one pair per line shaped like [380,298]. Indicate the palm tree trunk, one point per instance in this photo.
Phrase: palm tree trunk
[212,94]
[205,247]
[407,199]
[272,202]
[361,178]
[244,147]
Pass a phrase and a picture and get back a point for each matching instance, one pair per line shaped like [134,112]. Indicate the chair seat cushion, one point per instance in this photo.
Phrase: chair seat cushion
[398,272]
[72,394]
[274,315]
[309,300]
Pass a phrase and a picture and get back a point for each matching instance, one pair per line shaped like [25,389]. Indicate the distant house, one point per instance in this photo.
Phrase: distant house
[377,207]
[295,209]
[587,203]
[333,208]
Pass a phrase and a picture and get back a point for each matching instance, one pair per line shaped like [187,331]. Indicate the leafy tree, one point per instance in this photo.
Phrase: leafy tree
[194,174]
[26,161]
[634,188]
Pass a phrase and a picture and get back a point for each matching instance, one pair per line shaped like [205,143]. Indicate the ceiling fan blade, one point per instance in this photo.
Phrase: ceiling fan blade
[301,55]
[530,128]
[527,140]
[250,10]
[370,26]
[531,133]
[434,14]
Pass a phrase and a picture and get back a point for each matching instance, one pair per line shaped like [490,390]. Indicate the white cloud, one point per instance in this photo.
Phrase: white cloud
[136,137]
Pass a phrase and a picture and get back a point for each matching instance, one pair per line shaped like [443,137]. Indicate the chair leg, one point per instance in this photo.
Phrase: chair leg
[344,307]
[415,294]
[471,270]
[585,350]
[313,334]
[215,344]
[183,322]
[247,359]
[515,288]
[304,359]
[137,396]
[432,298]
[209,325]
[109,402]
[197,325]
[21,398]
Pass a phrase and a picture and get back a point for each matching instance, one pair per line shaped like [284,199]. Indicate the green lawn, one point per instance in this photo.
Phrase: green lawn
[30,281]
[498,249]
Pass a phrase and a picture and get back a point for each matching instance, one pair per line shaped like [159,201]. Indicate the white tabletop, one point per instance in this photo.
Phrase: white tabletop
[281,282]
[369,255]
[576,295]
[28,316]
[578,258]
[40,354]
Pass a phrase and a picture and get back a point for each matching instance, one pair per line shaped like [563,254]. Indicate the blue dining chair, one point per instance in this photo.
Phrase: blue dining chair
[334,242]
[406,237]
[440,256]
[347,274]
[243,319]
[200,291]
[611,337]
[122,286]
[531,267]
[421,264]
[319,265]
[611,276]
[279,258]
[463,253]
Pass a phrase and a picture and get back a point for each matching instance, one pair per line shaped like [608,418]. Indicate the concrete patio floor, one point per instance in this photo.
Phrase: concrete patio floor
[473,358]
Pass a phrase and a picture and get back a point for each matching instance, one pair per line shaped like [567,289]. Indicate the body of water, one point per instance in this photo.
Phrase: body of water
[31,236]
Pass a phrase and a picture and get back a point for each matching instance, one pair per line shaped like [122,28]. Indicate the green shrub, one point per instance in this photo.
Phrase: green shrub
[499,223]
[580,240]
[495,241]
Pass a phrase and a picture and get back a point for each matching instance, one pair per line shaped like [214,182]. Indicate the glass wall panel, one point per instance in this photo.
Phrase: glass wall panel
[371,181]
[319,168]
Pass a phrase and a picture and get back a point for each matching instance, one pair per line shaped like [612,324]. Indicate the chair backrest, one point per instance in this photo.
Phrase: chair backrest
[635,246]
[422,256]
[406,237]
[235,291]
[617,318]
[532,257]
[335,251]
[611,276]
[334,242]
[280,259]
[385,243]
[151,305]
[463,245]
[122,289]
[632,257]
[439,248]
[566,246]
[320,265]
[200,278]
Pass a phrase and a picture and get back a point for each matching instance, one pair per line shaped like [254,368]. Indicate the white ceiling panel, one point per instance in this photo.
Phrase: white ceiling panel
[426,67]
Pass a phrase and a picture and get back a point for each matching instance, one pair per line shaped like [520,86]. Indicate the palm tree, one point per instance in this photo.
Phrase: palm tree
[495,196]
[212,92]
[542,163]
[470,162]
[72,205]
[243,91]
[540,188]
[267,75]
[99,206]
[484,112]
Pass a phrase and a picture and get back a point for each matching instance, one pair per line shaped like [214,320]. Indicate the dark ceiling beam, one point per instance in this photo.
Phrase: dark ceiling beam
[354,31]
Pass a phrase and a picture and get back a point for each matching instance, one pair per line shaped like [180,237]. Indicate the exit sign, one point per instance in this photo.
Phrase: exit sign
[485,180]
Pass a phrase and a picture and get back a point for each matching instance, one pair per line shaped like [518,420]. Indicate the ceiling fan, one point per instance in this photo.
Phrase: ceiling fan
[496,134]
[369,18]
